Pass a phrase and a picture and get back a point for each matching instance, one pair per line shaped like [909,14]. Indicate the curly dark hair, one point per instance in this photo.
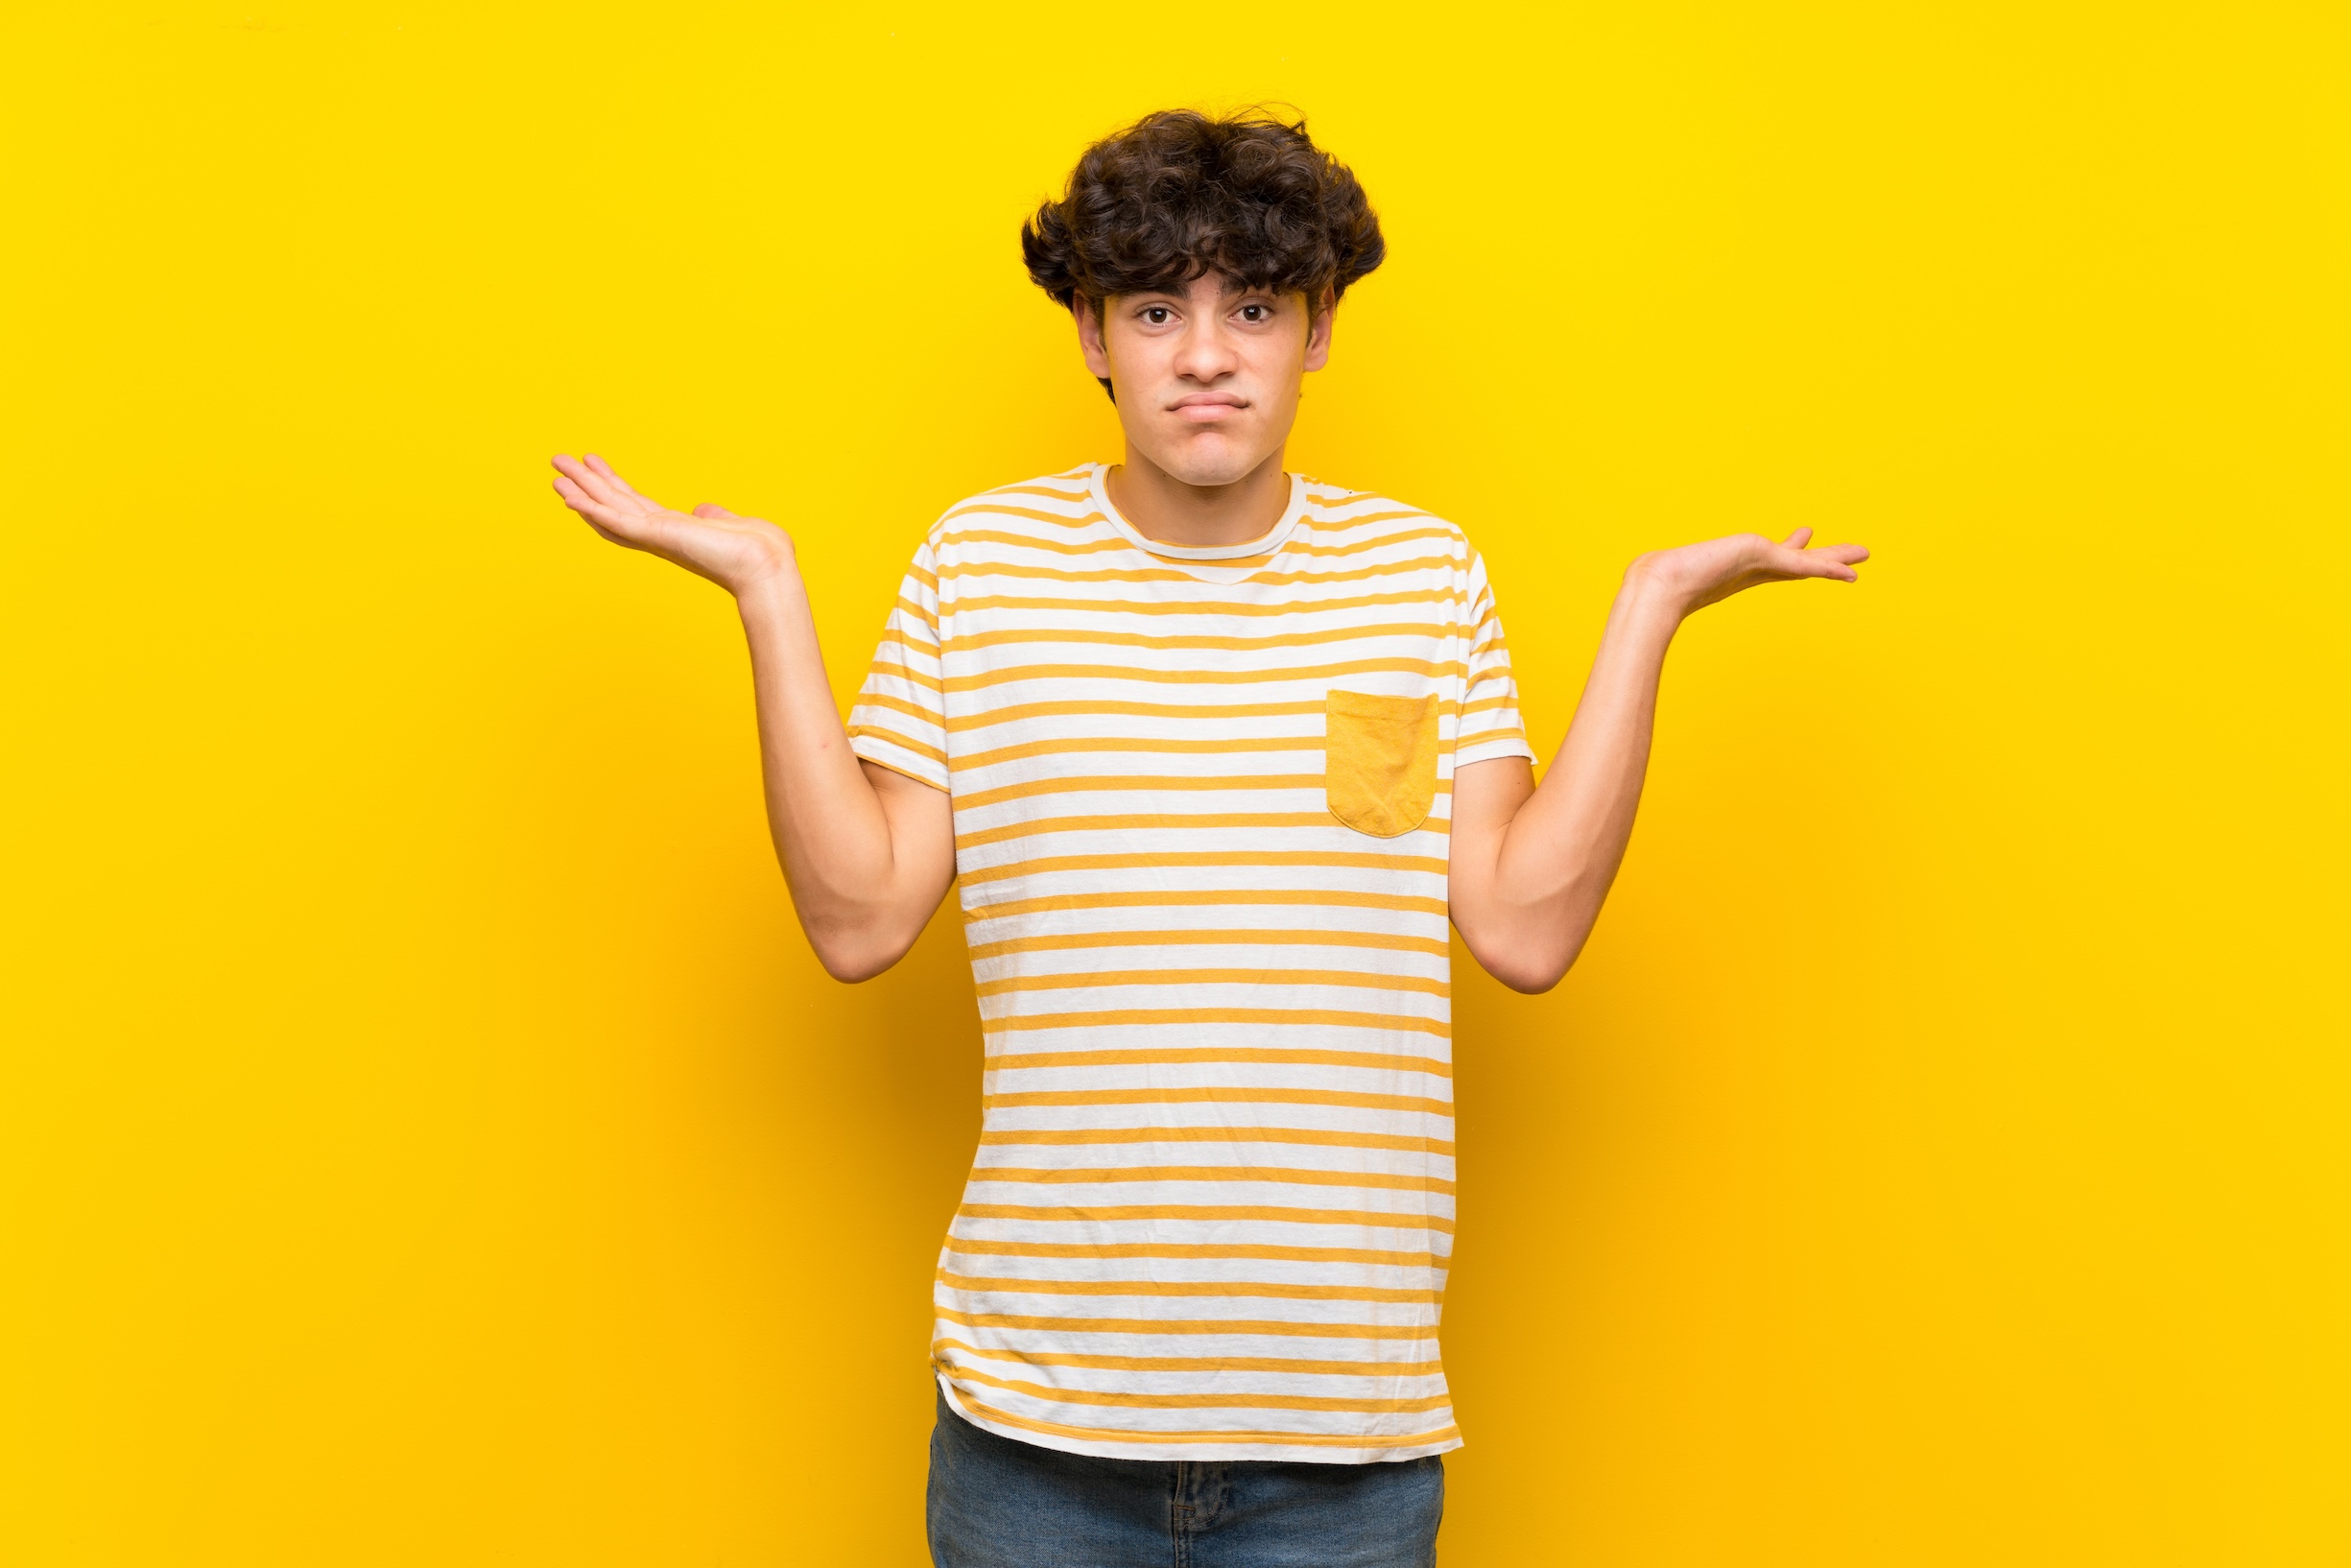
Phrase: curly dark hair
[1179,194]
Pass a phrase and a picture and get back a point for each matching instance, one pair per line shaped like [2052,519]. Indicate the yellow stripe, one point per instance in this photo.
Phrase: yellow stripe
[1268,1327]
[990,1285]
[1088,981]
[884,670]
[1268,675]
[976,507]
[1202,1401]
[1077,492]
[1169,898]
[1276,578]
[884,699]
[1138,783]
[1297,1017]
[1208,860]
[1417,630]
[1065,1137]
[1030,541]
[1279,1176]
[1200,712]
[1356,547]
[1177,1249]
[905,743]
[1018,1098]
[1056,574]
[1023,1060]
[1199,1364]
[1212,607]
[1067,746]
[1290,1440]
[1151,821]
[1369,516]
[1203,1212]
[1064,940]
[894,636]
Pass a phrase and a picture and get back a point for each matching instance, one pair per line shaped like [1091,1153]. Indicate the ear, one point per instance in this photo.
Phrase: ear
[1089,317]
[1318,333]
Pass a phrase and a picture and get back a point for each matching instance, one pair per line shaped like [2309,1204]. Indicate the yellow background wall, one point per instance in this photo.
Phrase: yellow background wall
[424,1137]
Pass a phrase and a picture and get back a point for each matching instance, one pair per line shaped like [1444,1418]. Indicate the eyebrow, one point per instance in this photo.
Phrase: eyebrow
[1237,291]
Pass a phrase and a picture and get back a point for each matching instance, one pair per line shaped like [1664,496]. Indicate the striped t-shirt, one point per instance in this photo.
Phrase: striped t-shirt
[1201,806]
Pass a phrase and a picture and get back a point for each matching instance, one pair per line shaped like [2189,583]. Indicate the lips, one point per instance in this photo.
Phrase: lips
[1207,408]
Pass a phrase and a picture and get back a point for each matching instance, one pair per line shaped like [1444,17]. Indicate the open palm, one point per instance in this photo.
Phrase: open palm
[735,553]
[1711,571]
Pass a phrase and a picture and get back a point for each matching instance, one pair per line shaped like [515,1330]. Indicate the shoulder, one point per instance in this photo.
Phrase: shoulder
[1370,520]
[1048,505]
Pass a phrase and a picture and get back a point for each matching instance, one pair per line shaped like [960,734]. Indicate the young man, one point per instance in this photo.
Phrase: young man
[1214,751]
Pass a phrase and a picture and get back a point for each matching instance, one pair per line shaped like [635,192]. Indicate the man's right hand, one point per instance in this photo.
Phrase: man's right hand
[738,554]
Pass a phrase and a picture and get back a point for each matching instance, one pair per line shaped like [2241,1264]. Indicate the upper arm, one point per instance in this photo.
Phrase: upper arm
[1485,797]
[1486,800]
[863,932]
[921,819]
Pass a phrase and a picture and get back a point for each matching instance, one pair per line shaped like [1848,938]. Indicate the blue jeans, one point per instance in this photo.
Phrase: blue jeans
[995,1503]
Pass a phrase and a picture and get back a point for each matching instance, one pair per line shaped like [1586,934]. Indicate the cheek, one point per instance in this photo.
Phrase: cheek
[1279,362]
[1134,353]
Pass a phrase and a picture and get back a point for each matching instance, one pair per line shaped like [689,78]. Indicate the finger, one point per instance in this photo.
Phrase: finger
[604,471]
[576,498]
[1817,563]
[1799,538]
[711,509]
[581,473]
[1796,563]
[594,484]
[613,524]
[614,483]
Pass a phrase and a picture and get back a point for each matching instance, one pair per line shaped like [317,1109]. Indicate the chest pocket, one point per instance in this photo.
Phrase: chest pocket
[1379,767]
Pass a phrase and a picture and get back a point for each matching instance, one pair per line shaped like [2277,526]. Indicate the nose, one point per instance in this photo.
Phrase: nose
[1207,351]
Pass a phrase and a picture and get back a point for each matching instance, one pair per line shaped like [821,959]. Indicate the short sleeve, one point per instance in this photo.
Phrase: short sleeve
[901,719]
[1490,724]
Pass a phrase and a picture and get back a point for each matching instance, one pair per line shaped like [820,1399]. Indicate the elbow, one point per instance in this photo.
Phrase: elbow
[1530,963]
[852,967]
[1530,976]
[855,957]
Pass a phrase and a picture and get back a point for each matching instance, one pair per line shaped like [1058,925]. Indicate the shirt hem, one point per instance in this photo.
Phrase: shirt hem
[876,752]
[1220,1453]
[1465,757]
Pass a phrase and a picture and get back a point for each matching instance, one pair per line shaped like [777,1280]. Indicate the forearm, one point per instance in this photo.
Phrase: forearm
[867,854]
[1540,873]
[862,892]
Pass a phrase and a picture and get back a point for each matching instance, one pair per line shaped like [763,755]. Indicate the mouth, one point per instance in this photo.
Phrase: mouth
[1208,408]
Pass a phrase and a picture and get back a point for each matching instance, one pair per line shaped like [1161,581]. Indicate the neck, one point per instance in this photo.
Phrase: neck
[1166,510]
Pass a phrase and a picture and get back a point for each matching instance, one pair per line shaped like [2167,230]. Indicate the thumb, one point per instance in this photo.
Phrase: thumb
[711,509]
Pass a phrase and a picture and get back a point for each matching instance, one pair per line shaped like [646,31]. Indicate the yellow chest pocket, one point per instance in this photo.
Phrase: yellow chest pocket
[1378,765]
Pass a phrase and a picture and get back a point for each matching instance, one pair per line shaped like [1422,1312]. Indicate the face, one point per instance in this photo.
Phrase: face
[1207,376]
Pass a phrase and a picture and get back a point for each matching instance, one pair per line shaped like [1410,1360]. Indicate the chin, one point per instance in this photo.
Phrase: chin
[1210,461]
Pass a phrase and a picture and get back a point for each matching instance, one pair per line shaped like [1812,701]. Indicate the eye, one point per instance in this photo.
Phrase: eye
[1256,312]
[1156,315]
